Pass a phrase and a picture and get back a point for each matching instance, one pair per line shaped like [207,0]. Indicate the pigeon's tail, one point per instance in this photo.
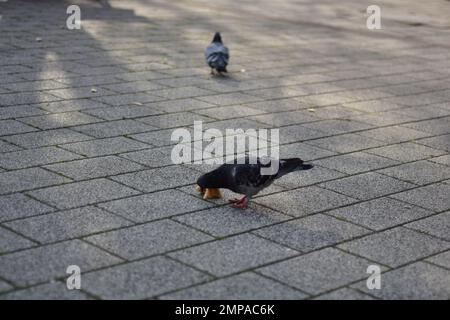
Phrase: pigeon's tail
[293,164]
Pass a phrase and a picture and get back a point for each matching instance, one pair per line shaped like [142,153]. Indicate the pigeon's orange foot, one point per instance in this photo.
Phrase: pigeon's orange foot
[240,204]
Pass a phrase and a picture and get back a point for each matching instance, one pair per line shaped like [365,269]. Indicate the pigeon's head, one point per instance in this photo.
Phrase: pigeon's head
[217,37]
[204,181]
[211,179]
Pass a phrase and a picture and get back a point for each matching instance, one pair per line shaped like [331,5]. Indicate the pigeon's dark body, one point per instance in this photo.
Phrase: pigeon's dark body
[246,178]
[217,55]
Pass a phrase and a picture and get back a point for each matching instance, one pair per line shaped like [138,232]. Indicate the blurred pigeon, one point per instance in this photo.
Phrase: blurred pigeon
[246,178]
[217,55]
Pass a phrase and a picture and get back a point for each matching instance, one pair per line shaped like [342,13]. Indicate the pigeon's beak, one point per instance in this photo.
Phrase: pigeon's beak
[306,166]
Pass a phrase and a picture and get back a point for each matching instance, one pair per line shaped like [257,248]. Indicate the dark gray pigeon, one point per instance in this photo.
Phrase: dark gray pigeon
[246,178]
[217,55]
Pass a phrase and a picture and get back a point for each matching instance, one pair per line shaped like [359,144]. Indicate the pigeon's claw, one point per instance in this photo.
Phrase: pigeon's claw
[240,204]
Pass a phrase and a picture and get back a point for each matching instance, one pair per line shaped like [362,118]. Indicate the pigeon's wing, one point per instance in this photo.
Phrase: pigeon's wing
[249,180]
[215,49]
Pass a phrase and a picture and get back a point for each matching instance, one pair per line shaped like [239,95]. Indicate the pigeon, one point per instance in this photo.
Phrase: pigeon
[246,178]
[217,55]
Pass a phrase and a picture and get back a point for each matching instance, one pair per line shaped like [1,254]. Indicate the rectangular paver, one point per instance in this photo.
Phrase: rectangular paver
[82,193]
[45,263]
[148,239]
[396,247]
[67,224]
[233,254]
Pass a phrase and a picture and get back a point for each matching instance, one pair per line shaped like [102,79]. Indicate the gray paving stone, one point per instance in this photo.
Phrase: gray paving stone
[309,177]
[441,259]
[406,152]
[420,172]
[180,105]
[158,179]
[26,179]
[155,205]
[285,118]
[336,112]
[142,279]
[337,126]
[439,142]
[19,111]
[81,92]
[442,160]
[277,105]
[344,294]
[394,134]
[229,98]
[94,167]
[35,157]
[424,113]
[82,193]
[103,147]
[60,120]
[233,254]
[245,286]
[433,197]
[438,225]
[380,213]
[174,120]
[114,128]
[225,221]
[148,239]
[157,138]
[10,127]
[17,206]
[129,98]
[304,201]
[7,147]
[356,162]
[318,271]
[304,151]
[367,185]
[71,105]
[122,112]
[298,133]
[65,225]
[130,87]
[310,233]
[229,112]
[396,247]
[155,157]
[49,291]
[10,241]
[373,106]
[346,143]
[46,138]
[11,99]
[380,119]
[4,287]
[182,92]
[418,281]
[37,265]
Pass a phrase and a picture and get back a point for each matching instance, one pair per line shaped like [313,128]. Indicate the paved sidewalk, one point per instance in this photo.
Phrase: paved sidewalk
[85,172]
